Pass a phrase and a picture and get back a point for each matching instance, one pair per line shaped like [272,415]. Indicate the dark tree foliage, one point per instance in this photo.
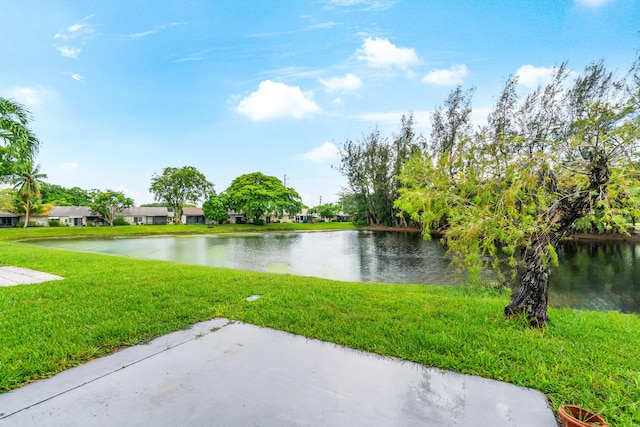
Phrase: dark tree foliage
[57,195]
[372,166]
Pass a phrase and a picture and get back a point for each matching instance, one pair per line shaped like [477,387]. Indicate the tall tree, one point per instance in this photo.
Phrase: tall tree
[18,143]
[371,167]
[179,186]
[539,167]
[27,180]
[107,204]
[257,194]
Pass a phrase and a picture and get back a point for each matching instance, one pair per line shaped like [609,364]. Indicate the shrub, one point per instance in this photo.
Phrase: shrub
[120,221]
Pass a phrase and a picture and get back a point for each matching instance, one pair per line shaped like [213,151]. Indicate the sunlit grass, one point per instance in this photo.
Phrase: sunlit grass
[587,358]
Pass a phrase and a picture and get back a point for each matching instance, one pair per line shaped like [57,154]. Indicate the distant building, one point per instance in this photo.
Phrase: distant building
[193,216]
[73,216]
[8,219]
[147,215]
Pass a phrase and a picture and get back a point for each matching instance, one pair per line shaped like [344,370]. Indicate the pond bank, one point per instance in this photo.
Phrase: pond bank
[578,237]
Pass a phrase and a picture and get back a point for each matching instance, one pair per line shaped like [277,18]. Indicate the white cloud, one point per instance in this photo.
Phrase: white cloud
[531,76]
[447,77]
[32,97]
[69,51]
[592,3]
[274,100]
[155,30]
[326,151]
[76,77]
[68,166]
[79,29]
[392,118]
[381,53]
[349,82]
[364,4]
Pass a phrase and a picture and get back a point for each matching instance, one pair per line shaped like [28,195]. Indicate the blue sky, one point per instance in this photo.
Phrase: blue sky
[120,90]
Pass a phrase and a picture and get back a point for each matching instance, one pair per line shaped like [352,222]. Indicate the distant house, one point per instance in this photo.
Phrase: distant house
[73,216]
[193,216]
[237,217]
[343,217]
[146,215]
[304,216]
[8,219]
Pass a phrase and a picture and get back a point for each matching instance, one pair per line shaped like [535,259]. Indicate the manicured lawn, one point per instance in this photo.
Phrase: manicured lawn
[588,358]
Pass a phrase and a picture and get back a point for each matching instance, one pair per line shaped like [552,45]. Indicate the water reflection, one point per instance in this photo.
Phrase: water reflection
[598,276]
[601,276]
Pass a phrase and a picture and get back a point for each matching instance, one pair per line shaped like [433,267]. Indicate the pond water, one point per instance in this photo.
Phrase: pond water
[591,276]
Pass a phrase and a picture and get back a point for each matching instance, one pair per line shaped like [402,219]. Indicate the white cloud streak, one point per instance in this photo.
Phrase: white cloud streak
[79,32]
[381,53]
[323,153]
[275,100]
[447,77]
[364,4]
[592,3]
[155,30]
[347,83]
[69,51]
[79,29]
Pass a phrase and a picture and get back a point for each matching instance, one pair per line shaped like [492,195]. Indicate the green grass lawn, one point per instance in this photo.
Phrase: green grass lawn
[105,302]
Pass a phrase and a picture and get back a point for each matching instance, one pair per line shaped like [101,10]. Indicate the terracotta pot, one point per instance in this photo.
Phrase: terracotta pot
[574,416]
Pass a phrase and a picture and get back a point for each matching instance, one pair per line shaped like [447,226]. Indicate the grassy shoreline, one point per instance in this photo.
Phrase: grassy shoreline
[105,302]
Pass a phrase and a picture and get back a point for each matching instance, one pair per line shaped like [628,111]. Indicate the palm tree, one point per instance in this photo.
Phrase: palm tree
[18,143]
[27,182]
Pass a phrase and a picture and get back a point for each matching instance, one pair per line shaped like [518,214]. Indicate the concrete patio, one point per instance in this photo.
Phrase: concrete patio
[225,373]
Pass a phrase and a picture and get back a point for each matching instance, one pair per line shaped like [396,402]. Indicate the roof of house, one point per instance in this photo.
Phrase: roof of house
[146,211]
[69,211]
[192,211]
[8,215]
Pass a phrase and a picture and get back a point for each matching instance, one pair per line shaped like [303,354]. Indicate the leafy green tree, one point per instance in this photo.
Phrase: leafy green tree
[522,182]
[216,208]
[326,211]
[179,186]
[7,197]
[371,167]
[60,196]
[107,204]
[257,194]
[27,180]
[18,143]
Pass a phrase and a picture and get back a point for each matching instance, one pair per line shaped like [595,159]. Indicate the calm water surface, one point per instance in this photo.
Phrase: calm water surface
[593,276]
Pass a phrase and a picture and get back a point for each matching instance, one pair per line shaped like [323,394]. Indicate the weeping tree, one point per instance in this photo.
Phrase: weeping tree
[544,165]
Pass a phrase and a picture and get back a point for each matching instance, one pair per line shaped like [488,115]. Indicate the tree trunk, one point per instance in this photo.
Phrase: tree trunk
[26,214]
[532,296]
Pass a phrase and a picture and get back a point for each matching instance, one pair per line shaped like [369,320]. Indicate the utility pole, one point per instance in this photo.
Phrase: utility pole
[285,179]
[320,201]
